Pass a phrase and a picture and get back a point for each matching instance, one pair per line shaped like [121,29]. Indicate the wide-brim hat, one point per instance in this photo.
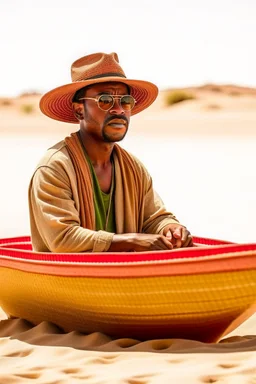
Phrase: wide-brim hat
[93,69]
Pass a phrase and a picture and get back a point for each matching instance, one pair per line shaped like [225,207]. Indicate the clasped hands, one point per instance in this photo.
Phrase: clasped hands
[174,236]
[178,235]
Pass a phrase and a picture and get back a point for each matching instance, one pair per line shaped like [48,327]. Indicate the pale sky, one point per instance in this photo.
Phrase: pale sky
[169,42]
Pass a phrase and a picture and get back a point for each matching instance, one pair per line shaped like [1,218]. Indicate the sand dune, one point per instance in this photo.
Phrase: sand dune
[215,110]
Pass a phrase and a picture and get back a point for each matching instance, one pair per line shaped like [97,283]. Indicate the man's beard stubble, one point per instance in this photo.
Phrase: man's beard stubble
[107,138]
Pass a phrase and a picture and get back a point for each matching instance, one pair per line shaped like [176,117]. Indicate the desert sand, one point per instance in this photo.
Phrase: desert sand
[45,354]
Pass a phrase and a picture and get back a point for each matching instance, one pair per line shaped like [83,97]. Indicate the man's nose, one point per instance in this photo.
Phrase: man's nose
[117,108]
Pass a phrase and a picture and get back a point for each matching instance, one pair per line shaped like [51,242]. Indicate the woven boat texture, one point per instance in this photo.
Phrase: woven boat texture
[200,293]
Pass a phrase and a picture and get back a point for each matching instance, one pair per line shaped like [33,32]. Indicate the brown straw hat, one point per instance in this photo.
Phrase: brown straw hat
[94,69]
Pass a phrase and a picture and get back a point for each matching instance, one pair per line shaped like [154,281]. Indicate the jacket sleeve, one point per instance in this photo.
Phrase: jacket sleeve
[156,217]
[54,215]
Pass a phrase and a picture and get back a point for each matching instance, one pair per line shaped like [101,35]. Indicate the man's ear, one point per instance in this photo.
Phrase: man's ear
[78,110]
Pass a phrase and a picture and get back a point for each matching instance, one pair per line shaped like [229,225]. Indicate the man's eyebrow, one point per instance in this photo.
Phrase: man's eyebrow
[104,93]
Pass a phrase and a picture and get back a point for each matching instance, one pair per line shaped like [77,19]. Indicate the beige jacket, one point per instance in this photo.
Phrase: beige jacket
[54,207]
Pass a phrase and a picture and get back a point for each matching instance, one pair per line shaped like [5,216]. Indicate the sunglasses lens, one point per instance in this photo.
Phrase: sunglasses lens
[105,102]
[127,102]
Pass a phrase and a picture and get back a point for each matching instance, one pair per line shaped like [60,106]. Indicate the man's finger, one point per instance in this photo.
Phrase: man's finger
[166,243]
[185,234]
[178,233]
[189,241]
[169,234]
[157,247]
[178,243]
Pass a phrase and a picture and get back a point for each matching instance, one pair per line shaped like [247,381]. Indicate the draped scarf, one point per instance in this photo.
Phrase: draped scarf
[129,189]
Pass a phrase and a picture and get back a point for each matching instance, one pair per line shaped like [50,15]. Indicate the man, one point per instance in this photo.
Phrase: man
[88,194]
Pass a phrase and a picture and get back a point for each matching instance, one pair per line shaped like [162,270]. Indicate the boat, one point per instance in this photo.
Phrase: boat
[200,293]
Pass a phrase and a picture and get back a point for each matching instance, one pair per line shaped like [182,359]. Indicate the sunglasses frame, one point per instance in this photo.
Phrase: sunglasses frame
[96,99]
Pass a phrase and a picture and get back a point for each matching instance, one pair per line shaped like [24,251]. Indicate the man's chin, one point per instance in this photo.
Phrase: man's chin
[113,138]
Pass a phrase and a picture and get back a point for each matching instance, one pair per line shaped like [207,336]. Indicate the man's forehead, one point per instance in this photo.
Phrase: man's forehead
[108,86]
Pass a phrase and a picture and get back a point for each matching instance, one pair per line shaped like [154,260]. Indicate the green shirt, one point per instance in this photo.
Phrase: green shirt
[102,201]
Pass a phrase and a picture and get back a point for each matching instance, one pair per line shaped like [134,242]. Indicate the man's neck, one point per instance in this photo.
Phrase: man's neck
[98,152]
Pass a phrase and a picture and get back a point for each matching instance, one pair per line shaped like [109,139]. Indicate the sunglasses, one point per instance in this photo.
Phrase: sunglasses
[106,102]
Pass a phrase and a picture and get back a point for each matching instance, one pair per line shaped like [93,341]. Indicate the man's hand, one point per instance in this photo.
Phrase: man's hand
[178,235]
[139,242]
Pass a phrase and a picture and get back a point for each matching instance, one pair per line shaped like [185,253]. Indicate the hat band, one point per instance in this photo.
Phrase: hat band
[110,74]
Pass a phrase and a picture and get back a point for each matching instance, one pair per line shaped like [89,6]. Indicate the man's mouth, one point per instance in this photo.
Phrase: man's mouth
[117,123]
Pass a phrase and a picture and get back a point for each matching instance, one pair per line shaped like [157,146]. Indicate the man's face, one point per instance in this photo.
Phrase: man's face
[108,126]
